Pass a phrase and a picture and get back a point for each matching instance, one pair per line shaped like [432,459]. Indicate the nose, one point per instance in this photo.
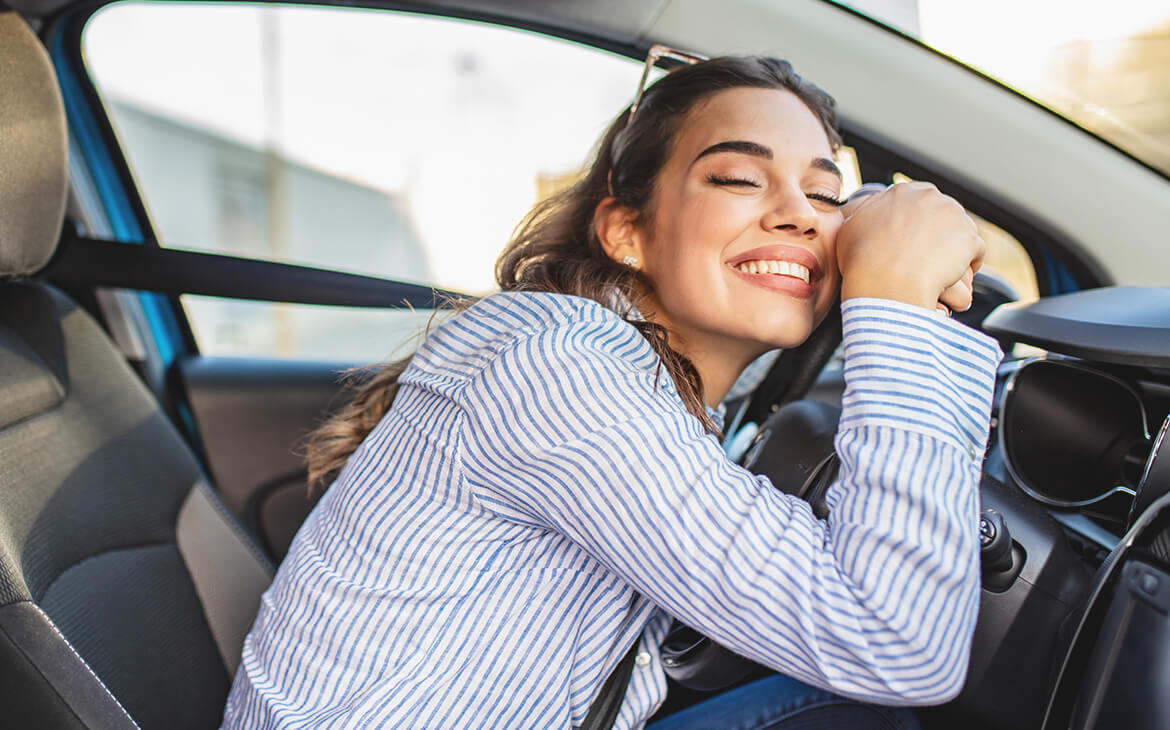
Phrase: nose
[792,212]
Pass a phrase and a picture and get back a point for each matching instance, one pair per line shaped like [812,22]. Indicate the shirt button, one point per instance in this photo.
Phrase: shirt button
[642,659]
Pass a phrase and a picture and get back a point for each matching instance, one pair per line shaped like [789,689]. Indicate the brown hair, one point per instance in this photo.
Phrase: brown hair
[556,249]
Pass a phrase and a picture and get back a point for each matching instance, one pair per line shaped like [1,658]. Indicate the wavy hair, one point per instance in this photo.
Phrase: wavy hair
[556,247]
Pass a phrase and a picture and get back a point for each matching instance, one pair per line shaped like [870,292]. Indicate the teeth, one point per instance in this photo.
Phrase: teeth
[782,268]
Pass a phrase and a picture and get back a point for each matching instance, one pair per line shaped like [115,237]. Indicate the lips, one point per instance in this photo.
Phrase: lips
[794,254]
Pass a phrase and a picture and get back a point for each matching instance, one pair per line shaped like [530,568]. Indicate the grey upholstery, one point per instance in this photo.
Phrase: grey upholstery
[228,571]
[32,151]
[125,587]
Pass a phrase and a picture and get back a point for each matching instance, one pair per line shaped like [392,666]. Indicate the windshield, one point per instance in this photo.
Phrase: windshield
[1103,65]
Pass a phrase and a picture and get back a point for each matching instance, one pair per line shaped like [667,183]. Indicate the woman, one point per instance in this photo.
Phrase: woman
[541,487]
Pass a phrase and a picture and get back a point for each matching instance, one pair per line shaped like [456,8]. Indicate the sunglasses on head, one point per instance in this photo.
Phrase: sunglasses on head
[656,54]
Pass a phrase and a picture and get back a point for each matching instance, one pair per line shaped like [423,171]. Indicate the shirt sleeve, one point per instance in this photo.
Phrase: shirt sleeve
[568,430]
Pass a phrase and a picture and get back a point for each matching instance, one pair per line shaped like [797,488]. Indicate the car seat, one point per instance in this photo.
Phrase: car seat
[126,588]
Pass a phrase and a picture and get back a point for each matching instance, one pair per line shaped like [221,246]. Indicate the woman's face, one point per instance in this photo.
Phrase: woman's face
[741,250]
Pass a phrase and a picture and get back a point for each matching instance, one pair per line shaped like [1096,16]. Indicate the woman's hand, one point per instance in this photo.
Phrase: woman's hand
[909,243]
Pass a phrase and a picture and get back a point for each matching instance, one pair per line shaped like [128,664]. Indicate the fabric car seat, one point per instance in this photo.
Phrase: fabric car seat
[126,588]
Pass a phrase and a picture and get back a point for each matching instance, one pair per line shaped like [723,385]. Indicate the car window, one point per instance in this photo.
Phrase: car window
[377,142]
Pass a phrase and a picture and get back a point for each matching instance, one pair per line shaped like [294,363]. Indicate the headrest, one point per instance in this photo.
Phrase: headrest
[33,142]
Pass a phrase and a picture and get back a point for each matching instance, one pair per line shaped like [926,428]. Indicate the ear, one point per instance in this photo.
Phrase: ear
[617,230]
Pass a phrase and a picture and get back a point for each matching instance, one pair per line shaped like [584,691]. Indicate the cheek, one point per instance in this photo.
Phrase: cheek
[686,244]
[830,229]
[832,280]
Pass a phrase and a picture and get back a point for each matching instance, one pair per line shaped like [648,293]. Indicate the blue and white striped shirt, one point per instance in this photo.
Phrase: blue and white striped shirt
[538,499]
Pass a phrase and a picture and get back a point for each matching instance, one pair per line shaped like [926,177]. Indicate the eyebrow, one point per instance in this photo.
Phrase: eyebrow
[824,163]
[755,149]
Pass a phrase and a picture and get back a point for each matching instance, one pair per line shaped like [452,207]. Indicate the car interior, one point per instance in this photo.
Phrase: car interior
[148,491]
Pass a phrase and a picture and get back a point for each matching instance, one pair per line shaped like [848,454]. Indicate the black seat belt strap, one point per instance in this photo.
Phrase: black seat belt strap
[81,261]
[604,710]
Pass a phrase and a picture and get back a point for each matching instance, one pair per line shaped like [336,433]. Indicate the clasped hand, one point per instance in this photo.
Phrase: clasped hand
[909,243]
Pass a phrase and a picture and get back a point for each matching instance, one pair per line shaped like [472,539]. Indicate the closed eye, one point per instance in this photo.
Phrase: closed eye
[825,199]
[740,181]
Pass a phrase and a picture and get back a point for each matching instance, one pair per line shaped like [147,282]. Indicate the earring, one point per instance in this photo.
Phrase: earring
[630,261]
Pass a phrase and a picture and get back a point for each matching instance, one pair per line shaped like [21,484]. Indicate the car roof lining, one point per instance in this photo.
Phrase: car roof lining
[618,21]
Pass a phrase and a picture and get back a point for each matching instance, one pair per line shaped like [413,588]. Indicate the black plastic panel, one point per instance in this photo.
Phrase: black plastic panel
[1017,640]
[1128,325]
[1102,645]
[1129,670]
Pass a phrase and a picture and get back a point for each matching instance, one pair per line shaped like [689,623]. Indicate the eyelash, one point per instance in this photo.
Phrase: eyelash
[718,180]
[826,199]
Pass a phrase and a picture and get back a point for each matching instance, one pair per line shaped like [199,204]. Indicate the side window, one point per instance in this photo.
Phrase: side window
[383,143]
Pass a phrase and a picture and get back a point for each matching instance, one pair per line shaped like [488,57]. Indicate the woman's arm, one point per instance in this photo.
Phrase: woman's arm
[565,430]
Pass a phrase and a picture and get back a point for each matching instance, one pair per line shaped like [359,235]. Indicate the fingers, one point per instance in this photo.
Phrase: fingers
[860,197]
[911,243]
[957,297]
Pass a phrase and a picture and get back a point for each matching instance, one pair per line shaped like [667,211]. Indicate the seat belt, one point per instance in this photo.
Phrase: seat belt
[82,261]
[604,710]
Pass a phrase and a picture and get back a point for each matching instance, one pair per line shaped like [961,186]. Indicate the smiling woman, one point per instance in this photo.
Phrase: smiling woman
[750,175]
[539,489]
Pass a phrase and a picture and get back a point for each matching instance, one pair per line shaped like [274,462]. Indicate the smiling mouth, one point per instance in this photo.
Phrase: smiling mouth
[776,268]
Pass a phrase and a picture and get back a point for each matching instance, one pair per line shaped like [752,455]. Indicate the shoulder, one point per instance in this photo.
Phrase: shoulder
[561,367]
[528,313]
[558,333]
[541,332]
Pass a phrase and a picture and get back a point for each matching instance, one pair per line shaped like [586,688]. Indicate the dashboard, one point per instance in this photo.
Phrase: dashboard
[1075,459]
[1075,462]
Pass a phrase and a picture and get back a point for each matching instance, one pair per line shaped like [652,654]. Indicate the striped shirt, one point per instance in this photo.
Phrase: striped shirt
[538,499]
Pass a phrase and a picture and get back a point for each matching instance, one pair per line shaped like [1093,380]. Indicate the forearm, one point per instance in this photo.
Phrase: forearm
[903,515]
[879,602]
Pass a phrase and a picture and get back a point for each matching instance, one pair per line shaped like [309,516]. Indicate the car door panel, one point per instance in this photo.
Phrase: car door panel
[252,416]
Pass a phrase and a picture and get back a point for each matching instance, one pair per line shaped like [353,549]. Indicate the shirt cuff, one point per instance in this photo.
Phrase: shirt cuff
[909,368]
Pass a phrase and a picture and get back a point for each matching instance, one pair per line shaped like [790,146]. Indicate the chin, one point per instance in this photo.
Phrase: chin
[786,337]
[787,343]
[791,332]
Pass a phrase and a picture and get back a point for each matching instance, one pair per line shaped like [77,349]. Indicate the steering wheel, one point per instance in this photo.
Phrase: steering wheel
[794,449]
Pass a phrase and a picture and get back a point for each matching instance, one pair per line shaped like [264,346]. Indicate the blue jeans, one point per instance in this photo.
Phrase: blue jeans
[783,703]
